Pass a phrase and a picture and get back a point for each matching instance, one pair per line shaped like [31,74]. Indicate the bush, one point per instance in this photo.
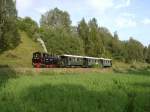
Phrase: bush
[96,66]
[148,67]
[133,66]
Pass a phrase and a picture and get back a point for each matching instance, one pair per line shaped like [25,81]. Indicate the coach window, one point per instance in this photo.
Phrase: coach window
[78,59]
[69,59]
[89,60]
[75,59]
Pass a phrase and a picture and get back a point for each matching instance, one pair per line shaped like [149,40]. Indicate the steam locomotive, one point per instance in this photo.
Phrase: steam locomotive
[45,60]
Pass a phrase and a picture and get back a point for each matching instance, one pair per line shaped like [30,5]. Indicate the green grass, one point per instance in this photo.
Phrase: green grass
[74,91]
[22,55]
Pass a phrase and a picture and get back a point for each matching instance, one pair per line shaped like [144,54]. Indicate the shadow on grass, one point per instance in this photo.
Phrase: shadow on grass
[5,74]
[63,98]
[134,71]
[72,98]
[142,84]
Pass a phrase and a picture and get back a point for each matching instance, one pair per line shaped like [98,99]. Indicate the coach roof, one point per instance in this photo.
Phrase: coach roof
[76,56]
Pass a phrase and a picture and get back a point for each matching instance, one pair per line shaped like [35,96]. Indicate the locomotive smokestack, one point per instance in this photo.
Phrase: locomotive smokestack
[42,43]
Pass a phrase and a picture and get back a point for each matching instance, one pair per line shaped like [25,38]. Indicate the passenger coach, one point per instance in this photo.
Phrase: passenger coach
[84,61]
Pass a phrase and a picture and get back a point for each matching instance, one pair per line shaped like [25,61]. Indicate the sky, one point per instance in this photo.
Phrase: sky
[130,18]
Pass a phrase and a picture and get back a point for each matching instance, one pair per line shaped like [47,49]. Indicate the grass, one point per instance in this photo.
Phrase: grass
[63,91]
[22,55]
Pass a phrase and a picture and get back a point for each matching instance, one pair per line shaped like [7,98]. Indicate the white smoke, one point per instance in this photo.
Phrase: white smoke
[42,43]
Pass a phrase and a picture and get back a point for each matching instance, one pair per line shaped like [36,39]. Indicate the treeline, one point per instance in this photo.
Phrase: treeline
[87,38]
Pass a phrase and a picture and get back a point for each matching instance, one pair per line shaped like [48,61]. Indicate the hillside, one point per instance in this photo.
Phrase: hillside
[22,55]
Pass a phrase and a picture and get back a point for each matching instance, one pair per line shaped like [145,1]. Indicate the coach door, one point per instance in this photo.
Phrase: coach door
[85,62]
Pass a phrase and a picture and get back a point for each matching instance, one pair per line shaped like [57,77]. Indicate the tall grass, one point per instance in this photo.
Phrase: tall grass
[74,92]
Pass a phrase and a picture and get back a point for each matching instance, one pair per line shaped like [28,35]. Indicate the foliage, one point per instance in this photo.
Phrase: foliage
[60,42]
[93,40]
[56,19]
[59,36]
[116,47]
[29,26]
[134,50]
[95,45]
[9,37]
[89,33]
[148,54]
[83,31]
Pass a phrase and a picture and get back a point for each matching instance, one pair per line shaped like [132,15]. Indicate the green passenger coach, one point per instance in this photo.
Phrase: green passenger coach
[83,61]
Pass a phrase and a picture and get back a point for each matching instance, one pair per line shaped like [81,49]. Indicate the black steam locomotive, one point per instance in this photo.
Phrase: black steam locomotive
[45,60]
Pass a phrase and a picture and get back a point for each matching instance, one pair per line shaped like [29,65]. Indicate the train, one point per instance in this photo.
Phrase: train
[40,60]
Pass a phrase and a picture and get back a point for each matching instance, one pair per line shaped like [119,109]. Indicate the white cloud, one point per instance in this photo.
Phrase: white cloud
[146,21]
[24,4]
[123,22]
[126,14]
[42,10]
[100,5]
[103,5]
[123,3]
[126,20]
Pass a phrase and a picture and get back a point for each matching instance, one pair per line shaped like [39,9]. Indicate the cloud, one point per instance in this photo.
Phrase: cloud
[123,22]
[146,21]
[126,20]
[123,4]
[100,5]
[24,4]
[42,10]
[126,14]
[103,5]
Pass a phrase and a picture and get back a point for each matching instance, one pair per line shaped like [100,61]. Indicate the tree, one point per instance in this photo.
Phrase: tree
[148,54]
[106,38]
[134,50]
[145,53]
[94,45]
[90,34]
[28,25]
[60,37]
[83,31]
[56,19]
[9,37]
[59,42]
[116,47]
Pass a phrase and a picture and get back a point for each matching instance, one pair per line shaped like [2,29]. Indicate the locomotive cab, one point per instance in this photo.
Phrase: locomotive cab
[36,59]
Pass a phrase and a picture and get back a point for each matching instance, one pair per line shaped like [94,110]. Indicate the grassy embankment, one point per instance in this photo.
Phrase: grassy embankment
[22,55]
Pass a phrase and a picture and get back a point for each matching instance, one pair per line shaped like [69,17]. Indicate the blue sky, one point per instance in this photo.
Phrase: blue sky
[127,17]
